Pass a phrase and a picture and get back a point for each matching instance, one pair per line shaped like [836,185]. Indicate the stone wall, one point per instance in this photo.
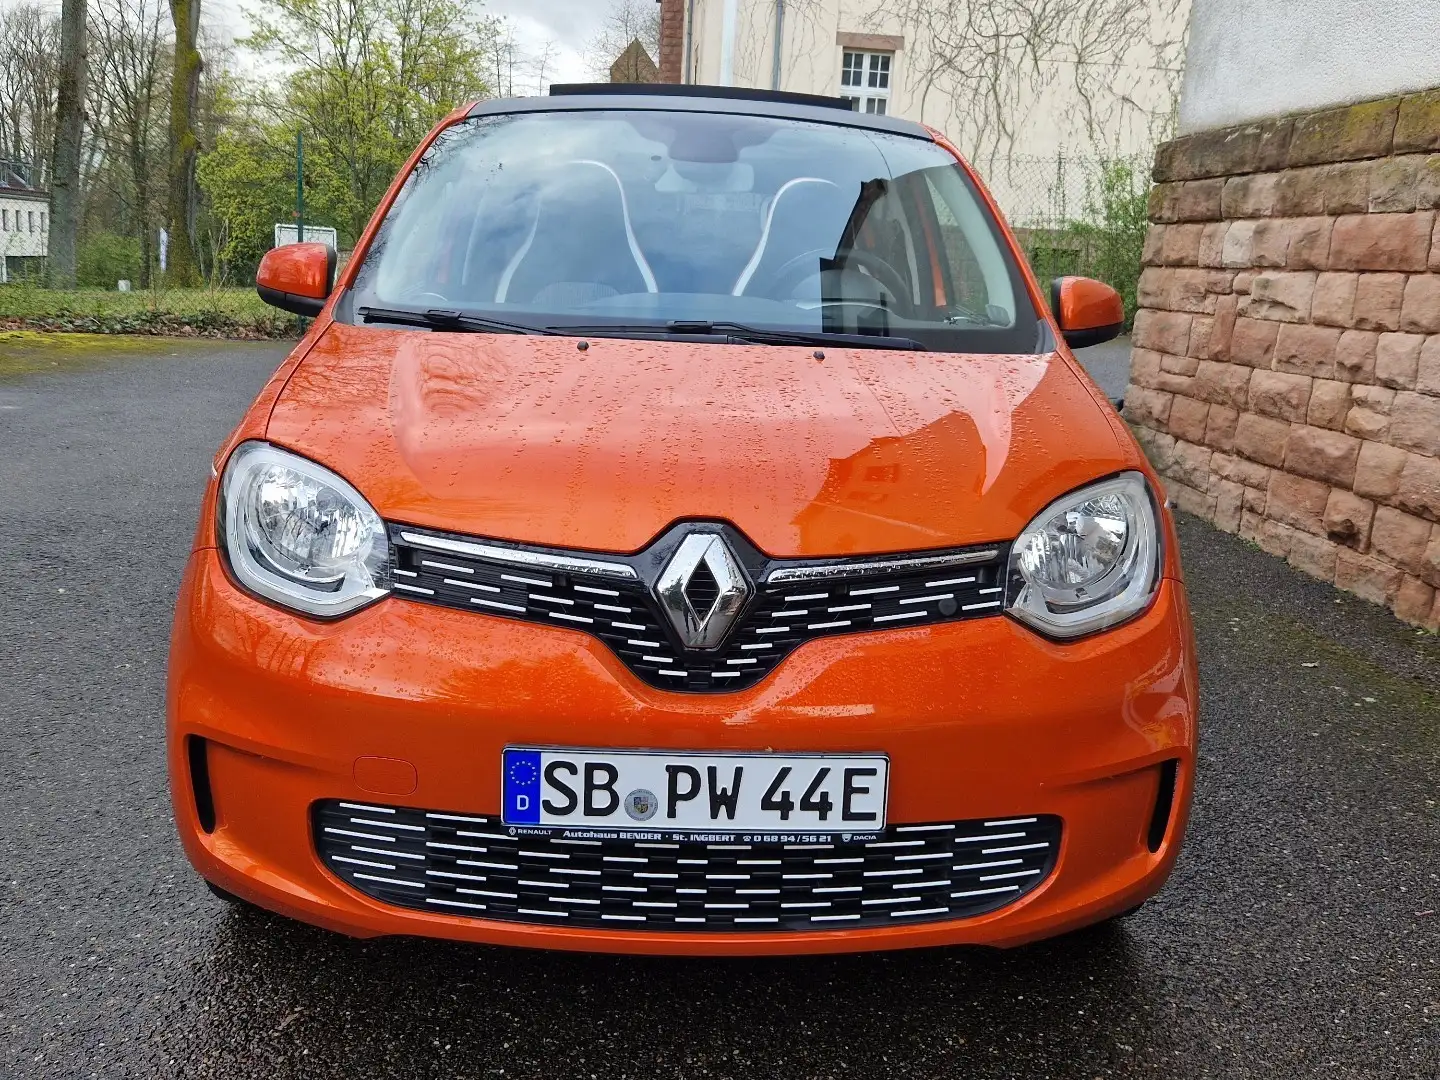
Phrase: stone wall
[1286,370]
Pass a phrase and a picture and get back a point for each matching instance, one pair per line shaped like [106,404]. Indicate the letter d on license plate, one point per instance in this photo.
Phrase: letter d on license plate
[710,793]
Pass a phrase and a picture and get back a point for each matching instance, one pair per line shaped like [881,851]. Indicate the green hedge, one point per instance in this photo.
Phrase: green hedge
[217,313]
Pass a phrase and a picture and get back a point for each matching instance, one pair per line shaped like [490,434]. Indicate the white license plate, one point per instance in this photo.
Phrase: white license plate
[656,791]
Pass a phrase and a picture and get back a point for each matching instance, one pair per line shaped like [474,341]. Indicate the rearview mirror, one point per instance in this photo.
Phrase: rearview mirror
[1088,311]
[297,277]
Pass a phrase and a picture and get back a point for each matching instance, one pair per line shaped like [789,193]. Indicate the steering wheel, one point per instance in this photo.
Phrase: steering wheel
[786,279]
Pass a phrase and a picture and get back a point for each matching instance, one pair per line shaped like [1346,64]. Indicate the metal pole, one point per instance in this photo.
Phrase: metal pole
[779,43]
[300,202]
[300,187]
[689,41]
[730,14]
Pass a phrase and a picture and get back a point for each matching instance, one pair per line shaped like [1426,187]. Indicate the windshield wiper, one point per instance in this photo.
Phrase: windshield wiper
[447,319]
[753,335]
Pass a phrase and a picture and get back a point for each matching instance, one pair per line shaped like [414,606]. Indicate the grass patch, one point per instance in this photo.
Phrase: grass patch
[209,313]
[26,352]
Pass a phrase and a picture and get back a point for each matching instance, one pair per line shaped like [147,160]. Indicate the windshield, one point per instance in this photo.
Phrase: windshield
[676,220]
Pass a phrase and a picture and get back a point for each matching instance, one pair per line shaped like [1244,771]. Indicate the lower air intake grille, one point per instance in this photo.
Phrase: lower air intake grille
[466,864]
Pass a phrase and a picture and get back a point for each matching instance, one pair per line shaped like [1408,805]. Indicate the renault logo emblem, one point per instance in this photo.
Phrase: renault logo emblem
[703,590]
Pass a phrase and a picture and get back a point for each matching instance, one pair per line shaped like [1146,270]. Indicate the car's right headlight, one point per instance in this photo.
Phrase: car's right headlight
[296,533]
[1089,561]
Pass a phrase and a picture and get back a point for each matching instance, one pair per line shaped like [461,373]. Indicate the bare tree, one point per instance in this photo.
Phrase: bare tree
[129,39]
[986,64]
[542,64]
[182,267]
[511,70]
[65,162]
[625,21]
[29,76]
[505,60]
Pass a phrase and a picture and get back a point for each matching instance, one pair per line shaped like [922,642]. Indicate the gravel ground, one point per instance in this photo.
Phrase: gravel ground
[1109,365]
[1300,935]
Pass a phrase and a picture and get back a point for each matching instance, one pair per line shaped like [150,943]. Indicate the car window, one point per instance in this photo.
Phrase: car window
[645,218]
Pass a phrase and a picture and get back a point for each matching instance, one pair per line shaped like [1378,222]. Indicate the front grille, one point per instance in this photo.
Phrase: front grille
[611,597]
[469,864]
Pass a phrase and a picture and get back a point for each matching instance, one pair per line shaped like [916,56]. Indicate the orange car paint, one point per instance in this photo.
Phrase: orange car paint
[298,269]
[531,439]
[1088,305]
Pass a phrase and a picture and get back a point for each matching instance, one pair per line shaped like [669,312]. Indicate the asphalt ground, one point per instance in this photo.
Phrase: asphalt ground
[1299,936]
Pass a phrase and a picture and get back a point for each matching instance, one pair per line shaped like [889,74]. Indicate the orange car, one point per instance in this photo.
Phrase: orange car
[684,529]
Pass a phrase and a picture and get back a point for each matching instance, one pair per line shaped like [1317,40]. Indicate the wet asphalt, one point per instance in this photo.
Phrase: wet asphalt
[1299,936]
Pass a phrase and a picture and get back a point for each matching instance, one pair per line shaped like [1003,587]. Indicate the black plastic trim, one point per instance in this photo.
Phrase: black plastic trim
[291,302]
[198,752]
[1164,805]
[722,93]
[697,99]
[1094,335]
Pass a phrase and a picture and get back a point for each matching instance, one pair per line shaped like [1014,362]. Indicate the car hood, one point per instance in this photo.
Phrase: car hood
[848,451]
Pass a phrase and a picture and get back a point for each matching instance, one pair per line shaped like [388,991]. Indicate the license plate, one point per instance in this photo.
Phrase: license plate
[756,795]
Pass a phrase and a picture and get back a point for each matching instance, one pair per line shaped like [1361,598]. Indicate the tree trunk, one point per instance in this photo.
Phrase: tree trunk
[65,168]
[142,211]
[181,265]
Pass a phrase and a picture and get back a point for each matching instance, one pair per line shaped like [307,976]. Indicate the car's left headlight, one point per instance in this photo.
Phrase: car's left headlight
[1089,560]
[297,534]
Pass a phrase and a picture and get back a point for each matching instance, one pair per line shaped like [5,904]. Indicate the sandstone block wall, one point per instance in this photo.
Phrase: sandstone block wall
[1285,377]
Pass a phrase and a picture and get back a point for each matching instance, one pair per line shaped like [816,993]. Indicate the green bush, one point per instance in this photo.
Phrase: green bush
[1106,241]
[1117,217]
[105,258]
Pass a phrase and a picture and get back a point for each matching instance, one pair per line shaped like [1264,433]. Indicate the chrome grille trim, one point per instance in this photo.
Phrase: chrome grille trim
[683,885]
[879,567]
[565,564]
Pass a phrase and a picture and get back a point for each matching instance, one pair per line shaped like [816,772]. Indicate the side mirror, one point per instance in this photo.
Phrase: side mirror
[1088,311]
[297,277]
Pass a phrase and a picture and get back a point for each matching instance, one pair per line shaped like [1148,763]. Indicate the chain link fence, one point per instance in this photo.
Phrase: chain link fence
[1077,215]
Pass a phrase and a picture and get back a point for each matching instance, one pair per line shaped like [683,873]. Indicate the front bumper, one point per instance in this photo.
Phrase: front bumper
[412,704]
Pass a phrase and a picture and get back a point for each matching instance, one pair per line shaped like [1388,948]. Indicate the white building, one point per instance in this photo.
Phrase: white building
[24,221]
[1251,61]
[1089,92]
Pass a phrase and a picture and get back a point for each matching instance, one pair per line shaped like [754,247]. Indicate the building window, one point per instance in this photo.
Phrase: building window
[31,215]
[4,220]
[42,221]
[865,81]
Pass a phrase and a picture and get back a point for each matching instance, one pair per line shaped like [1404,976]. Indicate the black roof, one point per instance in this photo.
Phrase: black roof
[735,93]
[671,97]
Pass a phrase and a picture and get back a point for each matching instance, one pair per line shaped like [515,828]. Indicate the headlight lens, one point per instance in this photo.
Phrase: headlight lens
[299,535]
[1088,561]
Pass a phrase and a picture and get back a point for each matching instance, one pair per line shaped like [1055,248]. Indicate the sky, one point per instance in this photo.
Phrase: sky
[568,23]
